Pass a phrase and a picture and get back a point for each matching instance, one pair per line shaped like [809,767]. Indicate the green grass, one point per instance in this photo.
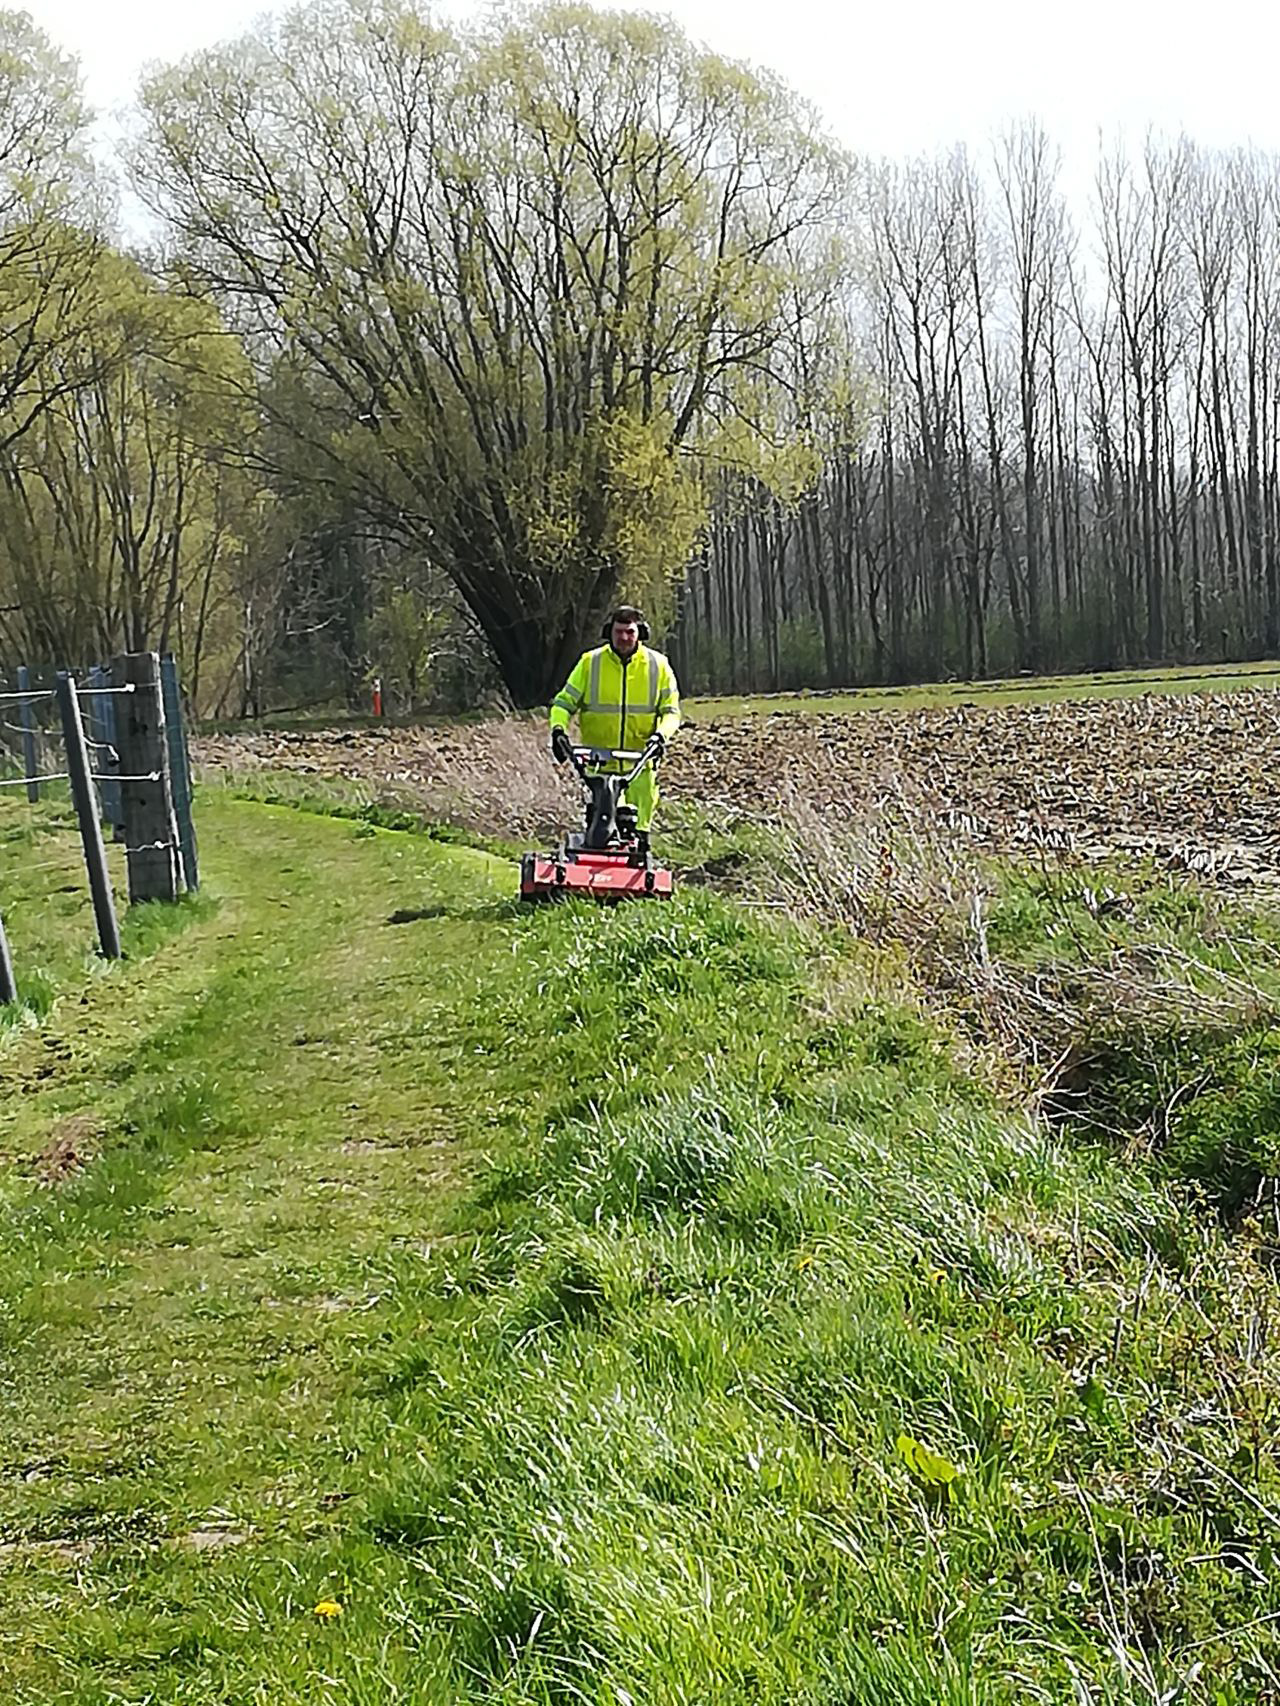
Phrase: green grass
[378,805]
[560,1292]
[44,898]
[1017,690]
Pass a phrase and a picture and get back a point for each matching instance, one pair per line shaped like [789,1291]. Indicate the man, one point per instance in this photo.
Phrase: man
[624,695]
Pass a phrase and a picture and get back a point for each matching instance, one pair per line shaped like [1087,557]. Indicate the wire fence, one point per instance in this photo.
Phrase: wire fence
[110,741]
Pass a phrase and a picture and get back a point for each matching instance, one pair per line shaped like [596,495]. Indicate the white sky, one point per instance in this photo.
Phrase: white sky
[891,78]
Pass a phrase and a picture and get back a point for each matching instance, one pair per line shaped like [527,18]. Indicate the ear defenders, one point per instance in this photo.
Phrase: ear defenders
[606,633]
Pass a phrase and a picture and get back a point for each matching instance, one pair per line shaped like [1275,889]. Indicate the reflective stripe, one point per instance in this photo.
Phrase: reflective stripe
[568,699]
[594,705]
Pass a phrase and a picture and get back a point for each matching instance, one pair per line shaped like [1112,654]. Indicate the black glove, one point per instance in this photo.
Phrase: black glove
[561,746]
[656,746]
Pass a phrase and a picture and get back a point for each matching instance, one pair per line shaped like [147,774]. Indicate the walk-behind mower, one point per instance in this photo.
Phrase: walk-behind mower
[607,860]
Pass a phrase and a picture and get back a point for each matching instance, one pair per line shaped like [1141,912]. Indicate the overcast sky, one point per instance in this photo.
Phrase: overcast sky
[890,78]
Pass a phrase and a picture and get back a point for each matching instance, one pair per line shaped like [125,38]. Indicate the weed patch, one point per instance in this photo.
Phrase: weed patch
[1203,1103]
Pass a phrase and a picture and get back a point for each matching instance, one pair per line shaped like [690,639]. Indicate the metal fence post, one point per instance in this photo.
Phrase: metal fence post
[180,770]
[27,713]
[95,854]
[106,766]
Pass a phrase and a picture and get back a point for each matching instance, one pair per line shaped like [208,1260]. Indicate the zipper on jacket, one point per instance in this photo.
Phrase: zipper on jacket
[622,720]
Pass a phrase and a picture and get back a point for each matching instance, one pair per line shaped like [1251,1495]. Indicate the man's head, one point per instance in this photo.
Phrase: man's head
[625,629]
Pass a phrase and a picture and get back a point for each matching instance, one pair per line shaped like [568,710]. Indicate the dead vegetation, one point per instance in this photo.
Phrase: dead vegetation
[72,1144]
[920,891]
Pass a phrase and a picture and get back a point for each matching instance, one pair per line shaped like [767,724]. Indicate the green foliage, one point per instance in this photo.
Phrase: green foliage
[42,123]
[585,303]
[1206,1101]
[403,636]
[1200,1093]
[123,416]
[126,510]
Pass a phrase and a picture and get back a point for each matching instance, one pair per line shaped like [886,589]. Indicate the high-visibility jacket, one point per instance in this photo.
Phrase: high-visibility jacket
[617,704]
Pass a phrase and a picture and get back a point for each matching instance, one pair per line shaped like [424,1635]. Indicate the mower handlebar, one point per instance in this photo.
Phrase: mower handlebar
[582,756]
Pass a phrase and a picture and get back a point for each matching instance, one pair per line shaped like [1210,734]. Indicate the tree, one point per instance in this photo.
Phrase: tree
[1101,430]
[122,505]
[48,220]
[542,278]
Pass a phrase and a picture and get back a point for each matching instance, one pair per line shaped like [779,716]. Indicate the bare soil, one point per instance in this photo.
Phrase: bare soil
[1190,780]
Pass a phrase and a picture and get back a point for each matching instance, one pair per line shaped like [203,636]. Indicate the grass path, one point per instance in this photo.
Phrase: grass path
[179,1322]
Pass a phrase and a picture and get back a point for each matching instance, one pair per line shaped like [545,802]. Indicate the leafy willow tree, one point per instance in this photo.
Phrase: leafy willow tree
[540,281]
[48,209]
[126,516]
[121,511]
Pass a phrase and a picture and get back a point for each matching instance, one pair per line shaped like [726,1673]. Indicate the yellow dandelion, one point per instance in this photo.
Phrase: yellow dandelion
[328,1608]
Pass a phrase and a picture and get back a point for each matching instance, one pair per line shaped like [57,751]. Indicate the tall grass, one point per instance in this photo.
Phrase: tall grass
[660,1455]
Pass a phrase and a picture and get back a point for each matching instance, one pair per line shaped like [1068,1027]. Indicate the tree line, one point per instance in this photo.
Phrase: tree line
[445,338]
[1066,454]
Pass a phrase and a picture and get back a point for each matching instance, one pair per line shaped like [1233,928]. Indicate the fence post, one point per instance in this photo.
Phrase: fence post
[151,834]
[8,983]
[180,771]
[95,855]
[27,712]
[104,721]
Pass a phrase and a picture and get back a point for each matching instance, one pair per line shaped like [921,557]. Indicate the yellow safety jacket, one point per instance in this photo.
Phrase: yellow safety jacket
[619,705]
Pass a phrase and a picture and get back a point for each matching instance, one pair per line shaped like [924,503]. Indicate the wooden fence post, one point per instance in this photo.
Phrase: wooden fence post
[106,761]
[95,856]
[180,771]
[151,833]
[8,983]
[27,714]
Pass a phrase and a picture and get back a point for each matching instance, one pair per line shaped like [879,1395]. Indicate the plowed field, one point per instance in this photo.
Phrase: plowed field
[1194,780]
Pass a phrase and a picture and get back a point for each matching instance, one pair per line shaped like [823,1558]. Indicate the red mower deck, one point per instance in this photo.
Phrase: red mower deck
[604,876]
[608,859]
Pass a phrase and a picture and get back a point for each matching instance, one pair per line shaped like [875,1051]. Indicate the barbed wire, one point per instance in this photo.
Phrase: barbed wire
[83,689]
[72,857]
[63,776]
